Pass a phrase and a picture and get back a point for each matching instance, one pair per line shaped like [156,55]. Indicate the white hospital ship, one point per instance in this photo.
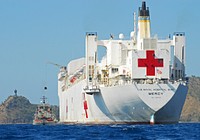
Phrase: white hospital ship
[139,80]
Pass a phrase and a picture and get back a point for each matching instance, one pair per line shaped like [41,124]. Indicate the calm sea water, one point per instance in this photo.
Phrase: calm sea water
[188,131]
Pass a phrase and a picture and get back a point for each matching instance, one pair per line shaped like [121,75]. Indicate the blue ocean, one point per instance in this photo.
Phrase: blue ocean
[181,131]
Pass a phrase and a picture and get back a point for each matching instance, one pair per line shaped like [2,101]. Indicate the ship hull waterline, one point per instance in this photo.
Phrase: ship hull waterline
[123,104]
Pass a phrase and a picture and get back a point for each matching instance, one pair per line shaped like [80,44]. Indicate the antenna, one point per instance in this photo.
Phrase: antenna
[135,26]
[44,97]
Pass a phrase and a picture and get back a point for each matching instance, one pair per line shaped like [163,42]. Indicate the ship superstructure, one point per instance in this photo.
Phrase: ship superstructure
[138,80]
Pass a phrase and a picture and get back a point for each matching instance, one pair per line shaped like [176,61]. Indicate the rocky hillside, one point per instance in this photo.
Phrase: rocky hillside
[18,109]
[191,109]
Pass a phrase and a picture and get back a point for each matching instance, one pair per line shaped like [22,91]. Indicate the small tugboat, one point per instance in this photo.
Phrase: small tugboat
[43,114]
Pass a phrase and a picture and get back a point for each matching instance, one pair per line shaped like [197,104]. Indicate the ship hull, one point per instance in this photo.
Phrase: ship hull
[44,122]
[130,103]
[170,113]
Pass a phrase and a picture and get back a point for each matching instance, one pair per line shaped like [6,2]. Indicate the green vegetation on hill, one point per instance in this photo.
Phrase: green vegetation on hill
[18,109]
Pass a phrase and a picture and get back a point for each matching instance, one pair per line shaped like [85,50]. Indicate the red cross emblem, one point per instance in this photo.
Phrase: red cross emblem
[150,62]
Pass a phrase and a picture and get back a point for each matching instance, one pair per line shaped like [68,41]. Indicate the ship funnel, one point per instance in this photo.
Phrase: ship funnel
[143,11]
[144,30]
[143,5]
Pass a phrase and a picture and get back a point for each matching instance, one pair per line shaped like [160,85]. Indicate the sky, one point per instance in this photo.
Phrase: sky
[36,32]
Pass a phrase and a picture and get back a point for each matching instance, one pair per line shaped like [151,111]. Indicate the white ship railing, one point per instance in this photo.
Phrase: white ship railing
[110,82]
[143,81]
